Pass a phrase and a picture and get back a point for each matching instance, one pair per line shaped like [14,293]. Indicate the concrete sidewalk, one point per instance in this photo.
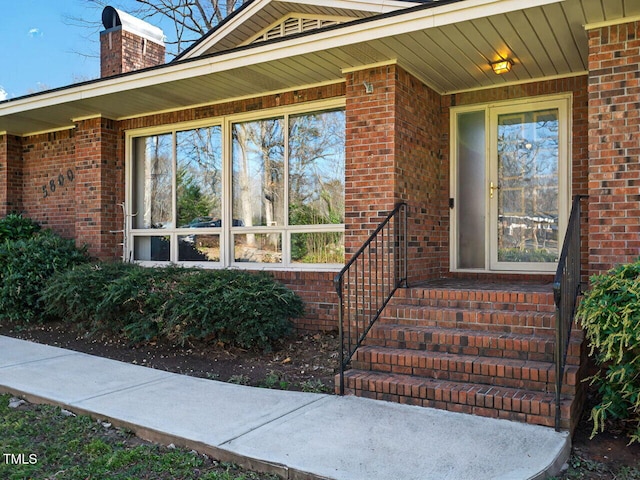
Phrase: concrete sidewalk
[296,435]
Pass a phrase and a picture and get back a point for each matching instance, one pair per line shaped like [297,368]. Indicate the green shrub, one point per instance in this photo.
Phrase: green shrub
[16,227]
[610,316]
[135,302]
[232,306]
[237,307]
[25,268]
[77,294]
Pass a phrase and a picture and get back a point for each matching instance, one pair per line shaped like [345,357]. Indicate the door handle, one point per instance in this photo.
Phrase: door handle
[492,187]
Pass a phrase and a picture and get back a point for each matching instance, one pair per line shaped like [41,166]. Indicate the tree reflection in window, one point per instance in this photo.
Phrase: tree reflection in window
[528,178]
[153,177]
[316,168]
[199,175]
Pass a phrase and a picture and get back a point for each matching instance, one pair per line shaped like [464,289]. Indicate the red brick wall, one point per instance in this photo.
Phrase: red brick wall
[614,150]
[48,190]
[10,174]
[240,106]
[370,153]
[421,176]
[122,51]
[99,171]
[320,298]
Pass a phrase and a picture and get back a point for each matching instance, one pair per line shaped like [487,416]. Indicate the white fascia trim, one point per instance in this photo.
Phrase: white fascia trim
[89,117]
[42,132]
[263,53]
[359,68]
[226,29]
[611,23]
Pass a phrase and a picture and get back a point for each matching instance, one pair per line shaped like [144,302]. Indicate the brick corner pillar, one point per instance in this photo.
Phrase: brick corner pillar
[10,174]
[614,146]
[99,186]
[369,149]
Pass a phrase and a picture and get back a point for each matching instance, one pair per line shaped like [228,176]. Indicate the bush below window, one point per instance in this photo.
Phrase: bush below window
[231,306]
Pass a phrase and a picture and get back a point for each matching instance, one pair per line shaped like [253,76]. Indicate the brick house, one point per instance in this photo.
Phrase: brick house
[282,138]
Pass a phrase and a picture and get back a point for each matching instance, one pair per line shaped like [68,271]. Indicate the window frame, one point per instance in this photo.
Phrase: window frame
[563,102]
[227,231]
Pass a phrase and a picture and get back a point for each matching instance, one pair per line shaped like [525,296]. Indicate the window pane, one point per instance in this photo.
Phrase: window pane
[258,173]
[151,248]
[317,247]
[152,182]
[258,247]
[316,168]
[199,248]
[199,175]
[528,176]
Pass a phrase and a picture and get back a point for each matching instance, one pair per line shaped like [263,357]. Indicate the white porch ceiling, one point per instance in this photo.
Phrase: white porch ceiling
[545,41]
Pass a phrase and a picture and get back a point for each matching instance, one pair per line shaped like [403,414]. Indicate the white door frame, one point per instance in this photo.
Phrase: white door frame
[563,103]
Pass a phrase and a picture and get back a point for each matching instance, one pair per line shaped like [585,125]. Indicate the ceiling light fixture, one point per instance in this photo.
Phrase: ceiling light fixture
[502,66]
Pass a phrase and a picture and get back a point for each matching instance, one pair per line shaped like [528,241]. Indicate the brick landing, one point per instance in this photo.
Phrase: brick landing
[471,346]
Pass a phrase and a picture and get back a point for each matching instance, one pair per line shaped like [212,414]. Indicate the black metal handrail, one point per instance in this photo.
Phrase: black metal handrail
[368,281]
[566,289]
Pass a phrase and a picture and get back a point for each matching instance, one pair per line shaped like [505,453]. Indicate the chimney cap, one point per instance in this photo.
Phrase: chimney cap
[114,18]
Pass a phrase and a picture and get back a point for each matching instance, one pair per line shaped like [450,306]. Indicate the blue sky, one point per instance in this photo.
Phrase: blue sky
[41,49]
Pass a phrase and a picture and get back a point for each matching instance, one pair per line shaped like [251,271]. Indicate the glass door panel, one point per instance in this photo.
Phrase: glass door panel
[526,191]
[471,190]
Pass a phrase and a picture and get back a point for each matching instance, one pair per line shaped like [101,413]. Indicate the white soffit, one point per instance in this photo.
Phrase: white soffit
[448,47]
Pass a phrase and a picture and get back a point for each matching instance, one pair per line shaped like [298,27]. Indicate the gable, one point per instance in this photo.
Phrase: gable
[296,23]
[261,20]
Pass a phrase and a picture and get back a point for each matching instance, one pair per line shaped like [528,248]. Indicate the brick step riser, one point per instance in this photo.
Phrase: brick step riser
[492,300]
[523,323]
[538,349]
[471,305]
[535,353]
[472,371]
[494,402]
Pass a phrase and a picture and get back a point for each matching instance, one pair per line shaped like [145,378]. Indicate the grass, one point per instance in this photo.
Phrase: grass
[40,441]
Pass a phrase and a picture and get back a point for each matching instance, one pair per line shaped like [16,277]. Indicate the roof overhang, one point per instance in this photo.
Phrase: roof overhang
[447,46]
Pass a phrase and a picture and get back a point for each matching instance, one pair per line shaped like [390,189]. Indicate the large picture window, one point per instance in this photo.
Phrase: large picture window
[271,194]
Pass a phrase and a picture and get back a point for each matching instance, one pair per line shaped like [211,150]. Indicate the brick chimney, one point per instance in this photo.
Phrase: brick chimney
[128,43]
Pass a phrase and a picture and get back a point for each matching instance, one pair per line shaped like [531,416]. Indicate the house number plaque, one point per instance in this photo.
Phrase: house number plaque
[54,183]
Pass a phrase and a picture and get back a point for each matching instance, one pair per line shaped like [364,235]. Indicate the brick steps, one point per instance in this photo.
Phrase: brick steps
[471,347]
[472,342]
[504,372]
[484,400]
[495,297]
[523,322]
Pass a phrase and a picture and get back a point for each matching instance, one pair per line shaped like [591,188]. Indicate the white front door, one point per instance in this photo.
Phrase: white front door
[510,185]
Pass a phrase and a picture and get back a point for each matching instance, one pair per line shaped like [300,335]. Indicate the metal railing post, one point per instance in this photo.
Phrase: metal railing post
[566,289]
[367,314]
[338,286]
